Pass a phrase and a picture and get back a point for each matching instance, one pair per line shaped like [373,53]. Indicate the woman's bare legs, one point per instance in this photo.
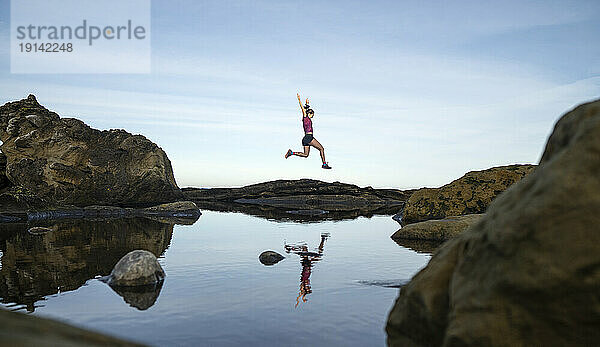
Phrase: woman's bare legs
[318,146]
[303,154]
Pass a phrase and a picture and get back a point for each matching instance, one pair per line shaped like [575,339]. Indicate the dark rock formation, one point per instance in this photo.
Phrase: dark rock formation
[136,268]
[276,198]
[4,181]
[270,258]
[17,329]
[180,212]
[75,251]
[528,274]
[437,229]
[65,161]
[470,194]
[16,200]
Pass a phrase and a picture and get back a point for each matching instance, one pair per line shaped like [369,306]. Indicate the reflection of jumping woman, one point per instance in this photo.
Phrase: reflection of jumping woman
[308,139]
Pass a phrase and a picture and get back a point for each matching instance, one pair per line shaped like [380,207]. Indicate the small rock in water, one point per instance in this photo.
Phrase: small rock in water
[136,268]
[38,230]
[270,258]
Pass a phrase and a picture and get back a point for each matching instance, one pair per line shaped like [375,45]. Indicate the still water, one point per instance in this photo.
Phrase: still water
[216,291]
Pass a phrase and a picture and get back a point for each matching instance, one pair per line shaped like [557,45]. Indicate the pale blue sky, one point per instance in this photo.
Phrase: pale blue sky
[406,93]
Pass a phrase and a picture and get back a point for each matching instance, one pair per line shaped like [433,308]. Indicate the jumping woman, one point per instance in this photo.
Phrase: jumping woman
[308,139]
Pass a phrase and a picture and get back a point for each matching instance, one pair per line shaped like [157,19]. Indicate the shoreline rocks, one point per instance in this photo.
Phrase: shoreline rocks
[275,198]
[181,212]
[470,194]
[528,272]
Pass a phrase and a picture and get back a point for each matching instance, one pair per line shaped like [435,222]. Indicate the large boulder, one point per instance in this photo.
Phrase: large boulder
[528,274]
[437,229]
[136,268]
[64,160]
[470,194]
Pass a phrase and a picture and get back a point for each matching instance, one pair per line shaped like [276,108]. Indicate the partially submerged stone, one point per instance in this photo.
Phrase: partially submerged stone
[437,229]
[136,268]
[270,258]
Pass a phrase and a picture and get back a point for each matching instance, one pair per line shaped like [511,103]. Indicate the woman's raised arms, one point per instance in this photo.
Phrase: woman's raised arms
[301,106]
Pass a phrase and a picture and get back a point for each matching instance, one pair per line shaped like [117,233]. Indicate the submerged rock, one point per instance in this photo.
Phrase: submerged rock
[270,258]
[136,268]
[437,229]
[470,194]
[528,273]
[65,161]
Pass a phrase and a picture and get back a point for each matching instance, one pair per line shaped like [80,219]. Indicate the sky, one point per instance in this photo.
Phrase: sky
[406,94]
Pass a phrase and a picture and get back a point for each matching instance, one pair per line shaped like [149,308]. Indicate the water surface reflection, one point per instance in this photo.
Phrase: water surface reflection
[37,265]
[307,259]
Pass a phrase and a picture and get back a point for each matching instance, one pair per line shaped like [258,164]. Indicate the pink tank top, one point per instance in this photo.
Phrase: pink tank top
[307,122]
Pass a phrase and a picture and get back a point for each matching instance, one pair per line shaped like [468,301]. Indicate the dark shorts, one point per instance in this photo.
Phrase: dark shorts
[306,139]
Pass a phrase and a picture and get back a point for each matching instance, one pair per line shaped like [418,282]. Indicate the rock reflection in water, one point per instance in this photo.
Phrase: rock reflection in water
[34,266]
[306,259]
[297,216]
[420,246]
[140,297]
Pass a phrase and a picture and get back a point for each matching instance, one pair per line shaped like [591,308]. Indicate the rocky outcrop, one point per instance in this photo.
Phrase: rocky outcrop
[65,161]
[270,258]
[281,196]
[136,268]
[17,329]
[529,272]
[470,194]
[437,229]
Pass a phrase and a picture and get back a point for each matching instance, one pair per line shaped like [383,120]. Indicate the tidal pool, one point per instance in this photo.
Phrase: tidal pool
[334,288]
